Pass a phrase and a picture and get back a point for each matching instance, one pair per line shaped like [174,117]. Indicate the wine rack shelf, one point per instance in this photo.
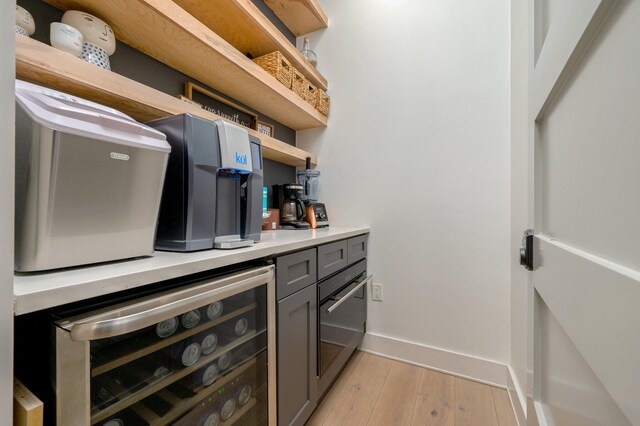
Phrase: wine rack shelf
[179,407]
[161,383]
[152,343]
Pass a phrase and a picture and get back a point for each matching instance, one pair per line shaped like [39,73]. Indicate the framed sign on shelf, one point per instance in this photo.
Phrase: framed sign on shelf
[218,105]
[266,128]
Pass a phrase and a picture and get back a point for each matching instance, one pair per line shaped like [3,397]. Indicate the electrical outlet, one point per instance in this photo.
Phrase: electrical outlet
[376,292]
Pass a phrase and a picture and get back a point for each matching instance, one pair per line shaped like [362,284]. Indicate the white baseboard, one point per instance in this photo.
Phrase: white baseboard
[517,399]
[461,365]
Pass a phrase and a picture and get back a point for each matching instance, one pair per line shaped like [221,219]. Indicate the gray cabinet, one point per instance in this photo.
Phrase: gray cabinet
[331,258]
[356,248]
[295,271]
[297,343]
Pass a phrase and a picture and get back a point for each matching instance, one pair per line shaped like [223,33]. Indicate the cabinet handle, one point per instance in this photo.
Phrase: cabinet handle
[348,295]
[127,318]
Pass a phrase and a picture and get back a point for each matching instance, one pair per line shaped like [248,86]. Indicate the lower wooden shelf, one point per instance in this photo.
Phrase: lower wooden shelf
[42,64]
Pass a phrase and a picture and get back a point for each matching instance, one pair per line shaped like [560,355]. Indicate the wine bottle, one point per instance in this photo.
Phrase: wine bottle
[203,377]
[232,329]
[227,407]
[214,310]
[167,327]
[190,319]
[243,394]
[209,418]
[186,352]
[114,422]
[208,341]
[224,361]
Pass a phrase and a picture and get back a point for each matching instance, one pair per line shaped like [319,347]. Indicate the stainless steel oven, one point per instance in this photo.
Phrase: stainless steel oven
[342,320]
[200,354]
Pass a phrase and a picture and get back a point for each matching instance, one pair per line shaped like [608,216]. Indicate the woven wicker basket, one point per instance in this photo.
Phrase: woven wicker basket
[298,83]
[277,65]
[322,101]
[310,93]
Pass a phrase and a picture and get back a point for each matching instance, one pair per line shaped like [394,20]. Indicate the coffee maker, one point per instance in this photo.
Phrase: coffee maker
[288,198]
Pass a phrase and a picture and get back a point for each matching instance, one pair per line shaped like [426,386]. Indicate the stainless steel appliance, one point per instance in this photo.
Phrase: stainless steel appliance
[342,316]
[186,356]
[317,215]
[88,181]
[292,210]
[213,192]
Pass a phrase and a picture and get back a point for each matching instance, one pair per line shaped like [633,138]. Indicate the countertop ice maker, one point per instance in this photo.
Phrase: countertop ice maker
[88,181]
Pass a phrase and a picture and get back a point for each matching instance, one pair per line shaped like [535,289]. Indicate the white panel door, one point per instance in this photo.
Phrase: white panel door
[584,104]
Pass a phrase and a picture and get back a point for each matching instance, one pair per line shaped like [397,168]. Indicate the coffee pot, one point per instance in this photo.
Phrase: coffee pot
[292,210]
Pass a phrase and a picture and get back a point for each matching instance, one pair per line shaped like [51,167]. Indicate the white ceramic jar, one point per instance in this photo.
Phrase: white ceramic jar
[99,40]
[93,29]
[25,24]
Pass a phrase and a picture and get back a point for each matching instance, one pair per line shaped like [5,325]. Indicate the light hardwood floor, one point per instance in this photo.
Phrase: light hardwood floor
[373,390]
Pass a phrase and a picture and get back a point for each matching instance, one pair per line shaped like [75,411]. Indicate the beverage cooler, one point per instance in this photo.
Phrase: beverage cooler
[201,354]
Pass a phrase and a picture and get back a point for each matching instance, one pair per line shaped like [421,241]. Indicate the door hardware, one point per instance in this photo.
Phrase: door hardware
[526,252]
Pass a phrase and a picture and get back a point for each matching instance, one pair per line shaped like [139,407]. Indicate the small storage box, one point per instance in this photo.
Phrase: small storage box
[88,181]
[310,93]
[277,65]
[298,83]
[322,101]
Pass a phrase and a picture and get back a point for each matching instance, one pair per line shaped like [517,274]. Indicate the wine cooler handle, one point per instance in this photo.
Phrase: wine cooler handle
[153,309]
[348,295]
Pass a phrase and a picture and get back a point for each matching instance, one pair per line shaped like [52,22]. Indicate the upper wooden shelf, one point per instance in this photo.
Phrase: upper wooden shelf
[300,16]
[242,24]
[168,33]
[42,64]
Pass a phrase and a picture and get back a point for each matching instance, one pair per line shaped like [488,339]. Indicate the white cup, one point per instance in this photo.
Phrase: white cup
[25,21]
[66,38]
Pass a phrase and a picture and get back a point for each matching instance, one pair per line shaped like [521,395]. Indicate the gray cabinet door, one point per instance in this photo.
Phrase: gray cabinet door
[331,258]
[294,272]
[297,342]
[356,248]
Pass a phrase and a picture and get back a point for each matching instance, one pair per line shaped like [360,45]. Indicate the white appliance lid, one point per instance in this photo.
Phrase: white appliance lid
[235,148]
[70,114]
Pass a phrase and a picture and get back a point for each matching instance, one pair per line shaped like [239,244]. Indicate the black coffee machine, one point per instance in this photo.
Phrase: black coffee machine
[288,198]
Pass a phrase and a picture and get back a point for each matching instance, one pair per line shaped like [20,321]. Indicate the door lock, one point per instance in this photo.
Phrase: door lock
[526,252]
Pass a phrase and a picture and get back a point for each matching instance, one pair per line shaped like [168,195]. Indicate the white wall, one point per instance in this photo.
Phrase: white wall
[418,148]
[7,73]
[519,192]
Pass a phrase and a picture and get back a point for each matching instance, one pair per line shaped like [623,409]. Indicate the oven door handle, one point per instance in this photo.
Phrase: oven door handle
[156,308]
[348,295]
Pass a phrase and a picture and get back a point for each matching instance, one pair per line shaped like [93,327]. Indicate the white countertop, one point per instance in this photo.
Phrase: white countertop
[36,291]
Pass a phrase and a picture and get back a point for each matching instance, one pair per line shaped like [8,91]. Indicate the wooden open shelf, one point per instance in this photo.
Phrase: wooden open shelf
[42,64]
[166,32]
[300,16]
[242,24]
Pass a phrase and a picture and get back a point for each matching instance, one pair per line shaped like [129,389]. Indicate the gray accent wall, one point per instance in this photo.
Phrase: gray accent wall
[137,66]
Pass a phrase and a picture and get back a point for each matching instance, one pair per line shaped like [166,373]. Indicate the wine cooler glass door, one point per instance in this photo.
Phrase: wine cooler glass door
[197,356]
